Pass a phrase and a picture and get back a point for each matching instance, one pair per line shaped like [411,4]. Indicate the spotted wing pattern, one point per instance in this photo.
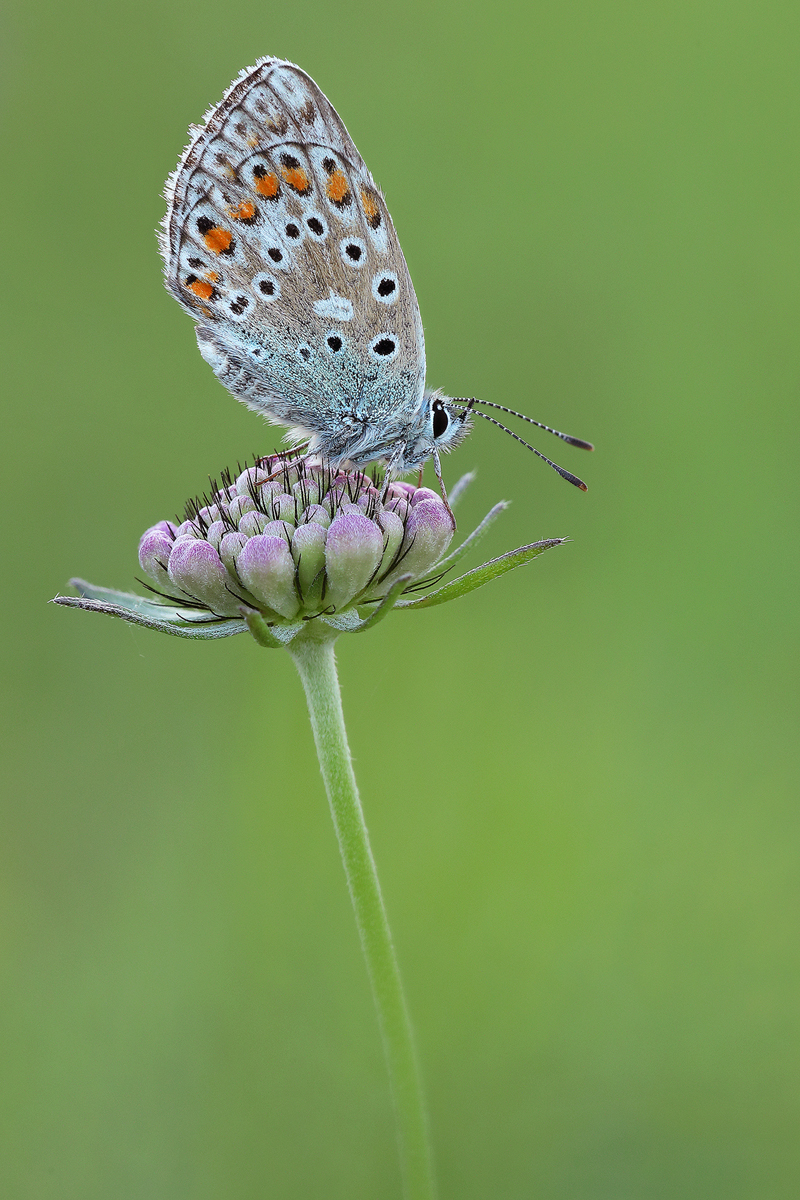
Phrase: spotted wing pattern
[279,244]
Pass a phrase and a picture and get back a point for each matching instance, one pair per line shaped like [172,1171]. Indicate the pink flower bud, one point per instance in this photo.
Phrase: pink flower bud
[197,570]
[352,554]
[266,568]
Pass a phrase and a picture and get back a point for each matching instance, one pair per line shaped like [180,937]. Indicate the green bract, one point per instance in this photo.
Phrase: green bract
[292,546]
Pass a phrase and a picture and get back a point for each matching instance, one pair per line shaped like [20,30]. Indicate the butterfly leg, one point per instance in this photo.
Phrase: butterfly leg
[387,478]
[292,452]
[437,466]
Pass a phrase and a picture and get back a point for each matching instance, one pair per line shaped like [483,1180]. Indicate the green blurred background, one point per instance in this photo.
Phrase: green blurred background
[580,782]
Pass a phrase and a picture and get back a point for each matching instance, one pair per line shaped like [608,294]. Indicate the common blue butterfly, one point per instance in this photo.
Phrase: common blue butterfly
[279,244]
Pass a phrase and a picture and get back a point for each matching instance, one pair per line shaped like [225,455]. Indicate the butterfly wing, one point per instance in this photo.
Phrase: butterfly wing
[278,242]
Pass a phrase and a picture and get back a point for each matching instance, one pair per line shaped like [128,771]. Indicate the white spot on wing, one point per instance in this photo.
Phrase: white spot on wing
[335,308]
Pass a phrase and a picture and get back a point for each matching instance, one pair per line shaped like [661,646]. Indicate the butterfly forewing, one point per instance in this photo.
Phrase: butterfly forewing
[279,243]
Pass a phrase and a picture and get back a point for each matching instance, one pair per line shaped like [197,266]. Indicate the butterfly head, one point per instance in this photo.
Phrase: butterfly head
[439,426]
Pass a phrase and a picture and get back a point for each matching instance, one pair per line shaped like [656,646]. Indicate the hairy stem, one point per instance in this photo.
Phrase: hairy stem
[317,666]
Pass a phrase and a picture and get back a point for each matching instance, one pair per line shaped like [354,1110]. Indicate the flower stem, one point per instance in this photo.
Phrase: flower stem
[317,666]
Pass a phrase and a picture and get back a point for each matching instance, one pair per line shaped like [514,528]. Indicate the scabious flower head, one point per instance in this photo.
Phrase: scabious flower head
[294,540]
[291,547]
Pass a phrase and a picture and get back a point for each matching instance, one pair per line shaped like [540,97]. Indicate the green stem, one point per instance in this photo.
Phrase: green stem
[317,666]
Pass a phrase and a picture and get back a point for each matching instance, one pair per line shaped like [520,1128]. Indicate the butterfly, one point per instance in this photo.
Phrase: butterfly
[279,244]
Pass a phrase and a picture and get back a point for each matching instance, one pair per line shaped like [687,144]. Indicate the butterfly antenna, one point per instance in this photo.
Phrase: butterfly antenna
[570,478]
[565,437]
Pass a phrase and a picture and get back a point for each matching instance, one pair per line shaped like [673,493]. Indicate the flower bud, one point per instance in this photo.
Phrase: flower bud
[423,493]
[352,554]
[280,529]
[155,548]
[230,548]
[215,533]
[318,514]
[399,506]
[266,568]
[240,505]
[308,552]
[283,508]
[187,529]
[427,533]
[197,570]
[393,530]
[253,523]
[305,493]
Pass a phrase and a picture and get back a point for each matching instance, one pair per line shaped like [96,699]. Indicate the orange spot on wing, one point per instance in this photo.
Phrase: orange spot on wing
[267,184]
[212,275]
[296,178]
[337,187]
[244,212]
[371,210]
[201,288]
[218,239]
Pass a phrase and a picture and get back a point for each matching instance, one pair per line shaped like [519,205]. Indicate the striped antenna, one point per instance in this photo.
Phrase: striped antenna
[565,437]
[570,478]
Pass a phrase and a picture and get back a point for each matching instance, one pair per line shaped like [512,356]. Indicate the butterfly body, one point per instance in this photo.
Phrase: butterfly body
[280,246]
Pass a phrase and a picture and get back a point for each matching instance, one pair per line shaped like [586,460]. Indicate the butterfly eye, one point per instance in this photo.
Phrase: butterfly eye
[441,420]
